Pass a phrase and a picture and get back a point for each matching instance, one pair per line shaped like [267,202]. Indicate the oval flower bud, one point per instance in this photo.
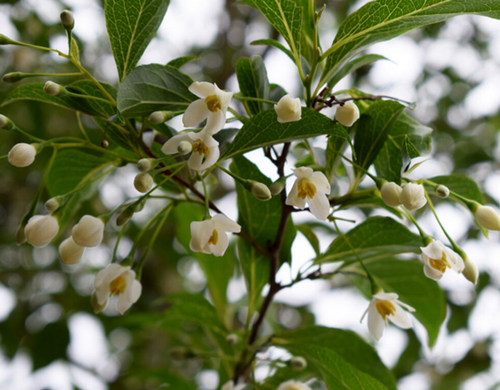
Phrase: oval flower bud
[13,77]
[184,147]
[70,252]
[288,109]
[413,196]
[88,232]
[98,307]
[442,191]
[232,339]
[21,155]
[126,214]
[470,271]
[143,182]
[347,114]
[261,191]
[6,123]
[144,164]
[390,193]
[158,117]
[53,89]
[277,186]
[298,363]
[488,217]
[67,20]
[52,205]
[41,229]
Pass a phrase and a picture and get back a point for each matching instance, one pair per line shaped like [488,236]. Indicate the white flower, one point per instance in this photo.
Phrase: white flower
[384,307]
[88,232]
[293,385]
[313,188]
[210,236]
[21,155]
[437,258]
[41,229]
[230,386]
[288,109]
[143,182]
[212,105]
[390,193]
[488,217]
[205,151]
[347,114]
[70,252]
[117,280]
[413,196]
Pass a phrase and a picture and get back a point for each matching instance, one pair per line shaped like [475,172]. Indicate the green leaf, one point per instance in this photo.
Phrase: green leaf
[253,82]
[49,344]
[154,87]
[373,128]
[181,61]
[344,359]
[335,147]
[461,184]
[132,24]
[374,237]
[273,43]
[372,202]
[309,234]
[264,129]
[87,87]
[168,380]
[353,66]
[382,20]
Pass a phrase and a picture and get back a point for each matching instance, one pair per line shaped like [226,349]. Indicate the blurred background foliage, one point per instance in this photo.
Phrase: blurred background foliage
[47,326]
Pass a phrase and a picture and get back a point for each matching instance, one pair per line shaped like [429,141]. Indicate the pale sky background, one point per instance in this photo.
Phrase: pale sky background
[341,307]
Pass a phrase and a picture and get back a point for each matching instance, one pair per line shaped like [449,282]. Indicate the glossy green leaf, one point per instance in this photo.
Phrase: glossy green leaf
[131,25]
[154,87]
[274,43]
[181,61]
[253,82]
[309,234]
[336,145]
[460,184]
[352,66]
[374,237]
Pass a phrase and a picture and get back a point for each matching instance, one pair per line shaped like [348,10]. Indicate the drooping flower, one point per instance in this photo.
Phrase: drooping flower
[488,217]
[210,236]
[117,280]
[313,188]
[230,386]
[288,109]
[21,155]
[212,105]
[384,307]
[347,114]
[41,229]
[89,231]
[70,252]
[390,193]
[205,151]
[293,385]
[413,196]
[437,257]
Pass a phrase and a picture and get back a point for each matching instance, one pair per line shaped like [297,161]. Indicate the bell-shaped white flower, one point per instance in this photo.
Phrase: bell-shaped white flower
[293,385]
[21,155]
[413,196]
[204,154]
[288,109]
[212,105]
[437,258]
[210,236]
[41,229]
[313,188]
[89,231]
[230,386]
[488,217]
[117,280]
[70,252]
[347,114]
[384,307]
[390,193]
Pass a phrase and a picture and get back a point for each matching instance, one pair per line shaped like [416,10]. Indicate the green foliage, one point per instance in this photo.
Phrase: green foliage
[354,65]
[461,185]
[253,82]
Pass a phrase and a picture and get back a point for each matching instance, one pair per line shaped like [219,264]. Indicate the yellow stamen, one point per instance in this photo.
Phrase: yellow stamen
[214,238]
[440,264]
[213,103]
[201,148]
[306,188]
[118,285]
[385,308]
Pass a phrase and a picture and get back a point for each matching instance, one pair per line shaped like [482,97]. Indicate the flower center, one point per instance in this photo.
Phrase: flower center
[306,188]
[440,264]
[201,148]
[214,238]
[118,285]
[385,308]
[213,103]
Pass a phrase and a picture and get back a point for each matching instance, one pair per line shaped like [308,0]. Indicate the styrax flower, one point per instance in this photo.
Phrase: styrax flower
[205,151]
[313,188]
[210,236]
[288,109]
[212,105]
[41,229]
[70,252]
[21,155]
[437,258]
[413,196]
[488,217]
[384,307]
[293,385]
[89,231]
[347,114]
[117,280]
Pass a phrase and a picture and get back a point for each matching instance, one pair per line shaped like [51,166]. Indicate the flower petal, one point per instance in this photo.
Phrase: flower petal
[223,97]
[383,296]
[200,234]
[375,321]
[222,243]
[319,206]
[211,158]
[456,262]
[202,89]
[432,273]
[293,199]
[104,278]
[320,182]
[215,122]
[434,250]
[400,318]
[196,113]
[303,172]
[225,223]
[170,147]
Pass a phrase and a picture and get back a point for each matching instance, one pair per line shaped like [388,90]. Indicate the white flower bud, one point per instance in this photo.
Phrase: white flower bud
[126,214]
[143,182]
[298,363]
[413,196]
[3,121]
[261,191]
[70,252]
[470,271]
[232,339]
[53,89]
[144,164]
[390,193]
[293,385]
[488,217]
[21,155]
[347,114]
[41,229]
[184,147]
[88,232]
[157,117]
[277,187]
[288,109]
[442,191]
[67,20]
[52,205]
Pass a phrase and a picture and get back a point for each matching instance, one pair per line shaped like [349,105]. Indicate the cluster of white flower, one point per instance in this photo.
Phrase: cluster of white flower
[288,385]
